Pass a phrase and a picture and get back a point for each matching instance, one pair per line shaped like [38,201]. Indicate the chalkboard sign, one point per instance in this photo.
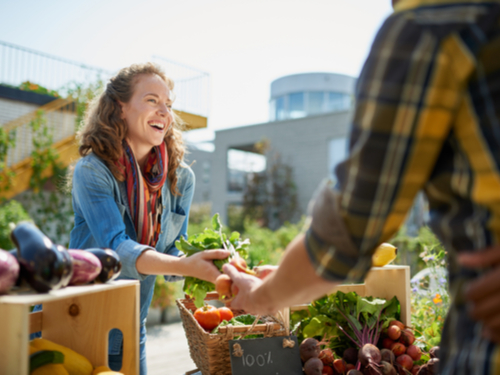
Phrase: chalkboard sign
[267,356]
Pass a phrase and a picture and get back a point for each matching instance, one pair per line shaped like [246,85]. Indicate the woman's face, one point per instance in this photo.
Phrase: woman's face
[148,114]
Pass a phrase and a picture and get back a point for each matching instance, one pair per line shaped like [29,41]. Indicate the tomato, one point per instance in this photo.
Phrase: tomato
[226,313]
[208,317]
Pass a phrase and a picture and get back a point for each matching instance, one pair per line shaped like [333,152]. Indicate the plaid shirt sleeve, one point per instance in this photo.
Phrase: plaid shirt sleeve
[407,96]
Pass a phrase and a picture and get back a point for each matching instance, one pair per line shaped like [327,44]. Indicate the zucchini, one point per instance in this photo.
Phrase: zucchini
[44,357]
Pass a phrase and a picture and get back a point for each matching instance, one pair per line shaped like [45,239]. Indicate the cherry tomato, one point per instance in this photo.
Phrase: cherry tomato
[226,313]
[208,317]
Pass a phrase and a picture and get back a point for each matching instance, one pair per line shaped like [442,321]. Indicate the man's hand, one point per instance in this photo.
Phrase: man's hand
[484,293]
[247,288]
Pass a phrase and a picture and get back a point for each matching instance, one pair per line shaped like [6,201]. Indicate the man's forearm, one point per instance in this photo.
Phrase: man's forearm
[294,282]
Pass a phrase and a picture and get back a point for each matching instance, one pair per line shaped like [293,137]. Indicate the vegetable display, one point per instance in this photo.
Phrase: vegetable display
[44,266]
[207,240]
[360,335]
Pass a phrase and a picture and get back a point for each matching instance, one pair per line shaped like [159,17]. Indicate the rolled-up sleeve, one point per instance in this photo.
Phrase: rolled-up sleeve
[94,202]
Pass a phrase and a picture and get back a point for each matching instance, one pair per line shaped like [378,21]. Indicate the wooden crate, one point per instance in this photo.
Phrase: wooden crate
[78,317]
[382,282]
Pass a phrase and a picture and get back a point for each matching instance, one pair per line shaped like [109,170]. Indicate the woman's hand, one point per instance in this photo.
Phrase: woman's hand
[200,265]
[484,293]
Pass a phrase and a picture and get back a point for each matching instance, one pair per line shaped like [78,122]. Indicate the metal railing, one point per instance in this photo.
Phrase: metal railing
[19,64]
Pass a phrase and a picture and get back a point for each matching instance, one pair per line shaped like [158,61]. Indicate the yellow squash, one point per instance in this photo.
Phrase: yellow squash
[384,254]
[74,363]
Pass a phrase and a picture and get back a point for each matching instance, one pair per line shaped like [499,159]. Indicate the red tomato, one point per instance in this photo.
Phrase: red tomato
[208,317]
[226,313]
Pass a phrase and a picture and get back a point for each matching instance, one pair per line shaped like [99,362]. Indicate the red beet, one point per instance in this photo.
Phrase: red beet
[327,370]
[388,356]
[398,349]
[350,367]
[405,361]
[414,352]
[407,337]
[397,323]
[394,332]
[309,348]
[354,372]
[434,352]
[350,355]
[340,366]
[387,343]
[326,356]
[387,368]
[415,369]
[313,366]
[369,354]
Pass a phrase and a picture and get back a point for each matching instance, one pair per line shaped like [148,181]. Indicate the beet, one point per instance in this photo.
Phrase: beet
[387,368]
[313,366]
[433,365]
[397,323]
[398,349]
[369,354]
[394,332]
[327,370]
[354,372]
[326,356]
[340,366]
[434,352]
[387,343]
[388,356]
[414,352]
[309,348]
[405,361]
[350,355]
[415,369]
[407,337]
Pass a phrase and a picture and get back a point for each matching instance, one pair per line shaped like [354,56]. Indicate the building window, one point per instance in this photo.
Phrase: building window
[240,164]
[280,108]
[316,102]
[296,107]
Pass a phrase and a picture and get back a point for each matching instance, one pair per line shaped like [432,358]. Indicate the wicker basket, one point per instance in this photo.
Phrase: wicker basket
[210,352]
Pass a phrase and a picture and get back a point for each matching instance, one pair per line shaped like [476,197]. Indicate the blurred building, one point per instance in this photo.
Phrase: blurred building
[307,130]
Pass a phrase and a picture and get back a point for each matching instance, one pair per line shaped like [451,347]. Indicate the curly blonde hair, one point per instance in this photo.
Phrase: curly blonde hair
[104,130]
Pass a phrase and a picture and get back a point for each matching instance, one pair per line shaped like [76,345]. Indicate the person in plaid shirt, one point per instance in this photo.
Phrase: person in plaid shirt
[427,117]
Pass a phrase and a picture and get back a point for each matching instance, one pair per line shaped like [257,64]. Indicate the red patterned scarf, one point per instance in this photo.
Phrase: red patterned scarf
[144,191]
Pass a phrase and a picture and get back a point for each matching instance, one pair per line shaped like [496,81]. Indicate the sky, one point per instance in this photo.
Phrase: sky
[243,45]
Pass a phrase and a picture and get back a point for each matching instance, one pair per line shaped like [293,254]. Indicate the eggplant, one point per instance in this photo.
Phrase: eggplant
[86,267]
[43,265]
[68,265]
[111,264]
[9,271]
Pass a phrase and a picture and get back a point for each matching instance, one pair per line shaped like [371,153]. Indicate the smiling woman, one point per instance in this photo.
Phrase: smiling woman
[132,191]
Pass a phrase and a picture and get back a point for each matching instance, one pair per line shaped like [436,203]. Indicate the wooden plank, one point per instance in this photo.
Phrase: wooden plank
[14,337]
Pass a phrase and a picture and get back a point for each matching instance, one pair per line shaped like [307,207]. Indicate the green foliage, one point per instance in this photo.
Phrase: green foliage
[209,239]
[11,212]
[7,140]
[33,87]
[165,293]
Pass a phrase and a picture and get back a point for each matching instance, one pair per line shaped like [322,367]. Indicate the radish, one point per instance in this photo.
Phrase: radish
[407,337]
[86,267]
[415,369]
[340,366]
[9,271]
[313,366]
[369,356]
[327,370]
[387,343]
[397,323]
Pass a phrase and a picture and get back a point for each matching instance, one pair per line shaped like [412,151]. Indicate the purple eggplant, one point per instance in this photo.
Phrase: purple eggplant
[68,264]
[86,267]
[42,263]
[9,271]
[110,262]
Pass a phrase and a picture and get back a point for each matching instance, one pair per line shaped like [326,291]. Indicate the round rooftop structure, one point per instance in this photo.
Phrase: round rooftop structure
[301,95]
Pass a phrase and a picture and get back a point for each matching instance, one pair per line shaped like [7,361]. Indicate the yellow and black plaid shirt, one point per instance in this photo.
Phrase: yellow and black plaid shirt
[427,118]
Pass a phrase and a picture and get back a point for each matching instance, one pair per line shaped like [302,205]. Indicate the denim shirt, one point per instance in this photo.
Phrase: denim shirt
[103,220]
